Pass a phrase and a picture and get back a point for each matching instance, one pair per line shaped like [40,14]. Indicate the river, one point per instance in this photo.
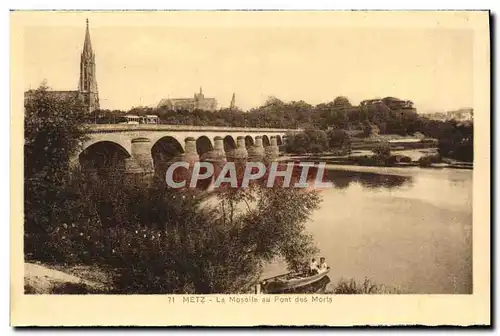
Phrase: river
[406,228]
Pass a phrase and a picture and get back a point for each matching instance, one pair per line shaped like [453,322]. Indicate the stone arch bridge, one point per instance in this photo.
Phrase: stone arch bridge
[151,148]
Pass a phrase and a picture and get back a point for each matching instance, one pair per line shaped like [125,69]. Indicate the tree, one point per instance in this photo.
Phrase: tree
[339,139]
[457,142]
[273,100]
[308,141]
[390,115]
[367,128]
[141,111]
[342,101]
[382,150]
[53,130]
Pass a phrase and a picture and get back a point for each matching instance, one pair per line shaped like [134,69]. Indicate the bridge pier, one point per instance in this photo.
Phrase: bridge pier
[141,160]
[240,153]
[257,151]
[273,151]
[218,153]
[230,154]
[190,153]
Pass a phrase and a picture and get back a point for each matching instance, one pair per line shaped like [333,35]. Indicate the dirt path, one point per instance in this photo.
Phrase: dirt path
[40,279]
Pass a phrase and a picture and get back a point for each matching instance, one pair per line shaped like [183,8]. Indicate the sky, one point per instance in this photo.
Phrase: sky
[138,64]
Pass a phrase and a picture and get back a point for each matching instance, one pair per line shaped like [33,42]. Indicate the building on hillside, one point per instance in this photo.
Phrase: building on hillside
[198,102]
[87,85]
[465,114]
[391,102]
[439,116]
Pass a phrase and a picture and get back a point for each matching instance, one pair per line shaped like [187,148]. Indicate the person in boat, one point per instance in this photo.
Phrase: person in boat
[313,267]
[323,267]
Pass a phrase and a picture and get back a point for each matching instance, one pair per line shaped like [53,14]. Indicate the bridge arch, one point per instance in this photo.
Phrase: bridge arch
[165,151]
[229,147]
[103,156]
[265,141]
[249,141]
[279,140]
[204,146]
[229,143]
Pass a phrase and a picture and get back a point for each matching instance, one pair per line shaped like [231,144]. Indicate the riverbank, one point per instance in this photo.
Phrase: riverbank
[397,171]
[401,159]
[42,278]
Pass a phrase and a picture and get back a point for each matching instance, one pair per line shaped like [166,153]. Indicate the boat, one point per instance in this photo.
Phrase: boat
[291,282]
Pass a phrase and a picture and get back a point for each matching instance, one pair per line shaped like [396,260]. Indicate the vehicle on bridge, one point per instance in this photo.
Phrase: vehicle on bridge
[136,120]
[151,119]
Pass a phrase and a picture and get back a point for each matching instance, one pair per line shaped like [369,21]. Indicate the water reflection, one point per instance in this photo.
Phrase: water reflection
[342,179]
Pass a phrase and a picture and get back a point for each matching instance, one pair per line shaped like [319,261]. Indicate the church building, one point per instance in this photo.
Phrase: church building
[87,84]
[198,102]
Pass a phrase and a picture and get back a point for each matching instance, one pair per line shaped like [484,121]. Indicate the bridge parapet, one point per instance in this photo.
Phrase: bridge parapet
[109,128]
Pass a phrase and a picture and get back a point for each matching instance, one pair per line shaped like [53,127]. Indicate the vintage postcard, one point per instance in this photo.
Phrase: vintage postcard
[249,168]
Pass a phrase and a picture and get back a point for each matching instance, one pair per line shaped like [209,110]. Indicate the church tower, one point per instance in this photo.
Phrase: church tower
[232,106]
[87,85]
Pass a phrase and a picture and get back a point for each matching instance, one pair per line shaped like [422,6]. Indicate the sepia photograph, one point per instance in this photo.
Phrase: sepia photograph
[210,153]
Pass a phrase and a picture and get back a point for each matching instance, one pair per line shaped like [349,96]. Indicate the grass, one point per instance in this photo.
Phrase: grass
[350,286]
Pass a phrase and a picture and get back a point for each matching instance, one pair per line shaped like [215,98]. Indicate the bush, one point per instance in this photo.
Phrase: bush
[339,140]
[367,287]
[341,152]
[300,150]
[379,160]
[425,161]
[428,160]
[391,160]
[383,149]
[405,159]
[308,141]
[373,160]
[457,141]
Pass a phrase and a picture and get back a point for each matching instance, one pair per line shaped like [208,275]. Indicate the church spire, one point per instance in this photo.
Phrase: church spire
[88,83]
[87,46]
[232,106]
